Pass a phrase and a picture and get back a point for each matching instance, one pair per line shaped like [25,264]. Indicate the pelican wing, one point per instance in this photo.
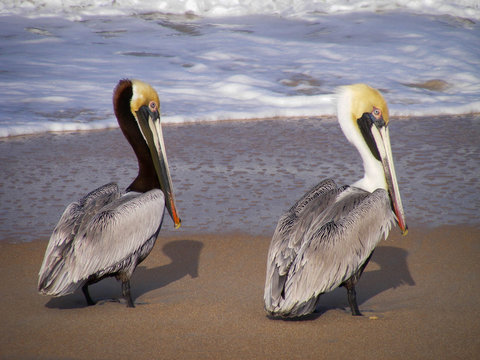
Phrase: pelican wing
[110,238]
[118,231]
[333,251]
[60,245]
[288,236]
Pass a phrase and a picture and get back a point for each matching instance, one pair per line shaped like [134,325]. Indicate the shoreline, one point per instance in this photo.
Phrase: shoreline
[324,117]
[201,297]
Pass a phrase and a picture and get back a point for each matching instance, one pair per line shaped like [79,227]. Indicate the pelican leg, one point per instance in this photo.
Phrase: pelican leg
[126,293]
[350,286]
[352,298]
[90,302]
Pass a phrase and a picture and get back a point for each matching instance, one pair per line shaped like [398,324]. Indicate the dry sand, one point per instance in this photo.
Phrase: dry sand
[201,298]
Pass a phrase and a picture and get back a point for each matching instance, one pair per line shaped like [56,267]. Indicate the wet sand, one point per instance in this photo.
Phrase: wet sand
[199,293]
[240,176]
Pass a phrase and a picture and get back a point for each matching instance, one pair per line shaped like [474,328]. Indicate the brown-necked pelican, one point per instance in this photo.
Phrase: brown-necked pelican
[108,233]
[327,238]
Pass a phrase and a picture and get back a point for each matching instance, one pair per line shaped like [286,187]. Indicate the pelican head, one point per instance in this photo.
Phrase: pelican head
[363,117]
[137,108]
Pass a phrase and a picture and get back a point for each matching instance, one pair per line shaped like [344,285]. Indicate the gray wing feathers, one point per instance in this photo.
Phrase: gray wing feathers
[287,238]
[334,249]
[107,236]
[60,244]
[117,232]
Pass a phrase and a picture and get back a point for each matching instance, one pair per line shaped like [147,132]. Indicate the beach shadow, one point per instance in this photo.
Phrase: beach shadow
[393,273]
[184,256]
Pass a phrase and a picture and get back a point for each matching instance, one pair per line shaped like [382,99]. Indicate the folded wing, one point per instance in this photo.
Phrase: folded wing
[98,233]
[333,248]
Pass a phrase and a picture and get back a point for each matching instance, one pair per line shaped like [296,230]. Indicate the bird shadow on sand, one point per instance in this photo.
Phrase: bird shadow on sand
[184,256]
[393,273]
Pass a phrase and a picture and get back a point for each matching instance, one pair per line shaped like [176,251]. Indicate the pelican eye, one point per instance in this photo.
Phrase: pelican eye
[377,113]
[152,106]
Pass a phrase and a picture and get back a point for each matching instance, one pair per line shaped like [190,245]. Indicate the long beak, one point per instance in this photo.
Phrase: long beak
[382,140]
[152,131]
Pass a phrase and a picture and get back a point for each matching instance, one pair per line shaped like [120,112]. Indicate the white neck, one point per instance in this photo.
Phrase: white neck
[374,177]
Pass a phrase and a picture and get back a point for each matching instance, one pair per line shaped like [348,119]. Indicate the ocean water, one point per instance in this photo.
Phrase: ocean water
[224,59]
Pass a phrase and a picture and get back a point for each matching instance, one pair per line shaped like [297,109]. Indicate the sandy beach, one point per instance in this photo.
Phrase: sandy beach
[199,293]
[200,297]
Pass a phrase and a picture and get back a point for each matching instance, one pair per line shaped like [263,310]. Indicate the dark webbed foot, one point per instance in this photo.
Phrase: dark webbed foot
[90,302]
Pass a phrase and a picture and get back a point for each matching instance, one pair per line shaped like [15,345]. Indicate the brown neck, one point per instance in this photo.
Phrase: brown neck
[147,178]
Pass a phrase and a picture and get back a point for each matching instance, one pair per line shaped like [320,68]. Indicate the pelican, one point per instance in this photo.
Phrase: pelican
[108,232]
[327,238]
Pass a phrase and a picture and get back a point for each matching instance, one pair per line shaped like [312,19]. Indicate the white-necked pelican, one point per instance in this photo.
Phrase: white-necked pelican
[327,238]
[107,232]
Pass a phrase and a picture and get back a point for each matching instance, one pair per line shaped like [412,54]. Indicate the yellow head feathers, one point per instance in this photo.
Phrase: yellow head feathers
[365,99]
[143,94]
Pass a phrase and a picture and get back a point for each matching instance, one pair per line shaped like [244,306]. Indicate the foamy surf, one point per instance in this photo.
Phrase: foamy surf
[212,60]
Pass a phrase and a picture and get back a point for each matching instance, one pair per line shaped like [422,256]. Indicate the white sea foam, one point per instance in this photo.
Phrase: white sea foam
[219,8]
[236,60]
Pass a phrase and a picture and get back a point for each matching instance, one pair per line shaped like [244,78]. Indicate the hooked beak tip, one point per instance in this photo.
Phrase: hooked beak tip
[178,224]
[173,212]
[403,226]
